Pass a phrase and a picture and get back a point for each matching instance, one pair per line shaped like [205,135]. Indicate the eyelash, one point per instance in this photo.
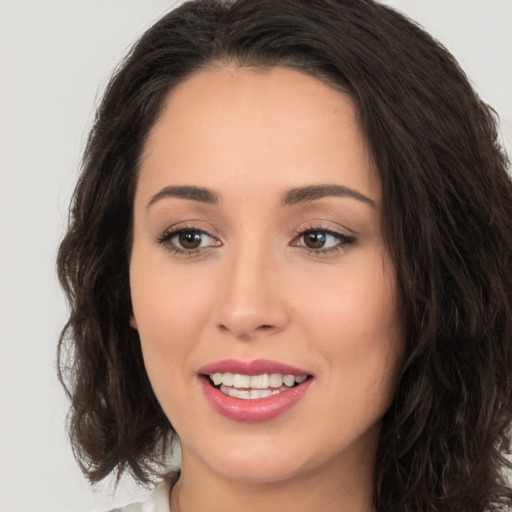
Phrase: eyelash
[344,240]
[165,240]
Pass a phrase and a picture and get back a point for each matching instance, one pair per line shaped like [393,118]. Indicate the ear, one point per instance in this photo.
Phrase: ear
[133,322]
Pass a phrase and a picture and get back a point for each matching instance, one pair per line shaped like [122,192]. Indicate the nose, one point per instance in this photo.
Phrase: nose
[251,302]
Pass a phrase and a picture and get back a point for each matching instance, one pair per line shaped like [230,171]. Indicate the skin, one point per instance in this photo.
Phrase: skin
[254,289]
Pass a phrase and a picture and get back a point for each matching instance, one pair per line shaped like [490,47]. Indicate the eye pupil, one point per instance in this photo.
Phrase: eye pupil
[189,239]
[315,240]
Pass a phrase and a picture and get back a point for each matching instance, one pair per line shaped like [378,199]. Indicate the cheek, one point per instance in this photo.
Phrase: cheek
[358,305]
[354,320]
[170,316]
[169,313]
[358,330]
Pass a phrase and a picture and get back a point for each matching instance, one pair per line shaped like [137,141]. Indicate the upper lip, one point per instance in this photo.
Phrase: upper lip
[254,367]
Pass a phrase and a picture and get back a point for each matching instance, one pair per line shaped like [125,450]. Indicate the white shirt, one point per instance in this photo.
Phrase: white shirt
[157,501]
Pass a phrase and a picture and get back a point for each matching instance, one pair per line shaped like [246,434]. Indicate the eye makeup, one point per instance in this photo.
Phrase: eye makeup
[315,239]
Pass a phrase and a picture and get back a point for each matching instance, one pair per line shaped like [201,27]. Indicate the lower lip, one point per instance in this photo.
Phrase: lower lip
[254,410]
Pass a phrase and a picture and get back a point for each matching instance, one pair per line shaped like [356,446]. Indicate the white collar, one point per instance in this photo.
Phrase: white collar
[158,499]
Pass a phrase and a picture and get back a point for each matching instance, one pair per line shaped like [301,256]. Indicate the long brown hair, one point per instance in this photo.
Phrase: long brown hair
[447,218]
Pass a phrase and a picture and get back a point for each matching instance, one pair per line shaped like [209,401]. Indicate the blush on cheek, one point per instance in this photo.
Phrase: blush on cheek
[166,313]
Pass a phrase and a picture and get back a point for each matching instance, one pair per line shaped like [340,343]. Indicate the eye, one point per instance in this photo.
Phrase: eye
[321,241]
[190,239]
[187,240]
[318,240]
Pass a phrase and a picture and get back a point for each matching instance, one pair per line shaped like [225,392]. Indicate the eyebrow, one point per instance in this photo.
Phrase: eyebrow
[291,197]
[191,192]
[313,192]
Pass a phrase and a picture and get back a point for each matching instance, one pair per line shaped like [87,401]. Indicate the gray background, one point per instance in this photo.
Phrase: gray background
[55,58]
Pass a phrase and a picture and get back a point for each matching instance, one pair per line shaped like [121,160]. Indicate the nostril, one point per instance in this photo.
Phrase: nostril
[247,334]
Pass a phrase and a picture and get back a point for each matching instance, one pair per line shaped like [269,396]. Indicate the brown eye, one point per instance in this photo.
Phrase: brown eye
[315,239]
[190,239]
[187,241]
[323,241]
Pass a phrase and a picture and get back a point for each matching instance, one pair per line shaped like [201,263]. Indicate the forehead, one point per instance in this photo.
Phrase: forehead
[269,125]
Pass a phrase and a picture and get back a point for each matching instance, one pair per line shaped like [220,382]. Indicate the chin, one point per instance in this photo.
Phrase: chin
[251,460]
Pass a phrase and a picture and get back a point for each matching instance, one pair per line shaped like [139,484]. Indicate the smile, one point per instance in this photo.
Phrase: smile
[253,391]
[250,387]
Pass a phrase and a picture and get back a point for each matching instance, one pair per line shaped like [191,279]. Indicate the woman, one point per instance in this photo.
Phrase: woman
[290,248]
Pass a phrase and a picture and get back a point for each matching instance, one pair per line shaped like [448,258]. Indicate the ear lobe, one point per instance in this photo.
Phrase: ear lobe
[133,322]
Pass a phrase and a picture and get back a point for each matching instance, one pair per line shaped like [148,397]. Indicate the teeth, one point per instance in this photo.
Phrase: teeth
[248,394]
[289,380]
[231,392]
[259,381]
[276,380]
[216,378]
[260,393]
[241,381]
[253,382]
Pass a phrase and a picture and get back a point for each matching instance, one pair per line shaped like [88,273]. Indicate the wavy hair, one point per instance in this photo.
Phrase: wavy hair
[447,220]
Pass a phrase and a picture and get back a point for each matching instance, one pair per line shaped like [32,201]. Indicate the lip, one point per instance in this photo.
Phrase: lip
[254,367]
[253,410]
[256,410]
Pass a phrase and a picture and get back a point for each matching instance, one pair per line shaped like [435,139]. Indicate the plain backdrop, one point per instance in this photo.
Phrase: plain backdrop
[55,58]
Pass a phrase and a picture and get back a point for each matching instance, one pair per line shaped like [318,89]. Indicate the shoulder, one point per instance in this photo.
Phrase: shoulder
[157,501]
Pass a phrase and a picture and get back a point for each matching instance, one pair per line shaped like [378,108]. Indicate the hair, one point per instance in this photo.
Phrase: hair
[447,221]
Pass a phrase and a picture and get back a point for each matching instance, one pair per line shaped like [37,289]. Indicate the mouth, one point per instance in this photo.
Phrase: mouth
[253,391]
[252,387]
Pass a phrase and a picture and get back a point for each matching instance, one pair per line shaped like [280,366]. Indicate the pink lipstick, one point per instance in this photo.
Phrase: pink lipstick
[253,391]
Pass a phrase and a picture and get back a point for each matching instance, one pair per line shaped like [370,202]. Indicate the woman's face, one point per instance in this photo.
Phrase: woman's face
[258,251]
